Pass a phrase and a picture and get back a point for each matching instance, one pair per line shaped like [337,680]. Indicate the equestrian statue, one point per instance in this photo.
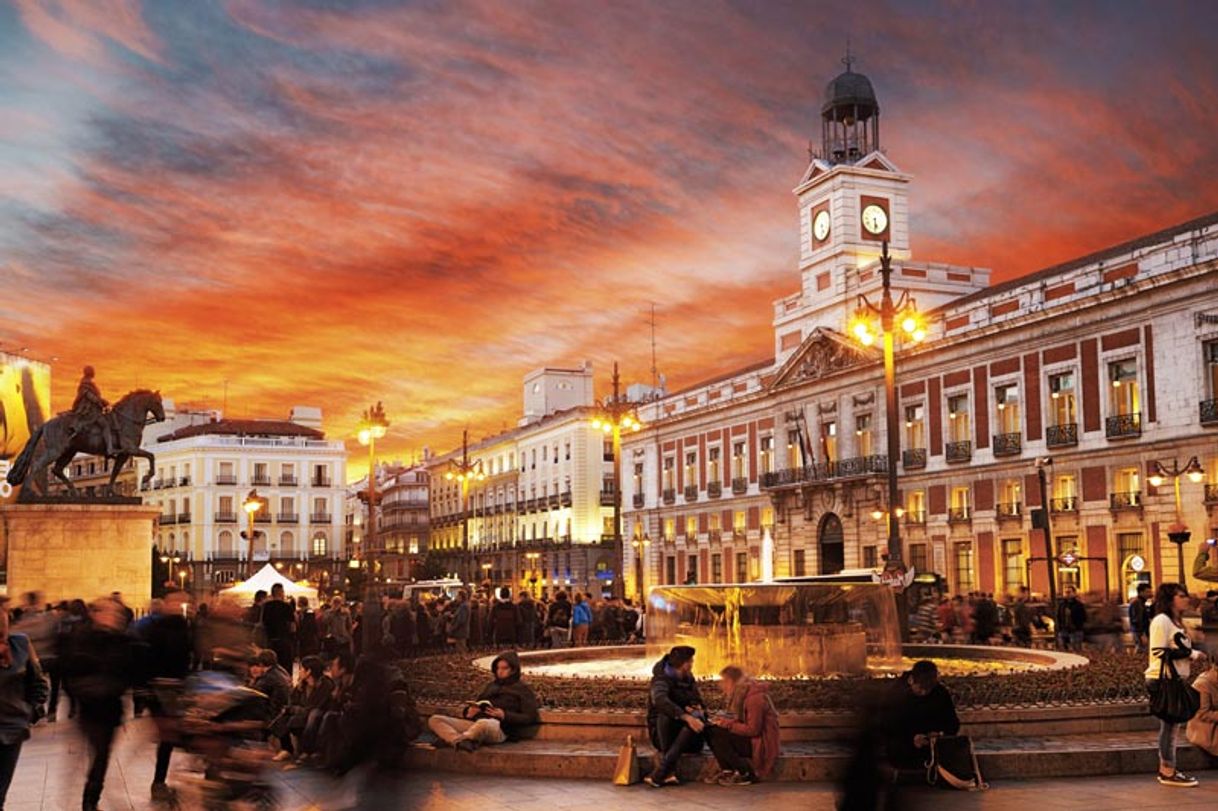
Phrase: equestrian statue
[93,427]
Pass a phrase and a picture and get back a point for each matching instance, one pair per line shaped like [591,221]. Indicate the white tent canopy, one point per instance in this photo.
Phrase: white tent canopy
[266,577]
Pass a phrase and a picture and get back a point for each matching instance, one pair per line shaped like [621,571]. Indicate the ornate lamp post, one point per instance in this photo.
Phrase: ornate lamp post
[903,315]
[614,415]
[1178,532]
[372,426]
[252,504]
[464,472]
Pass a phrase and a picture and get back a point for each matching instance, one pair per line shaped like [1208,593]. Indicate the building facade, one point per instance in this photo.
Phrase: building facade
[537,511]
[206,470]
[1098,368]
[403,520]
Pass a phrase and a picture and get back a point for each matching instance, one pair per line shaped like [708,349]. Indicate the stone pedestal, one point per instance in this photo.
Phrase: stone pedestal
[67,551]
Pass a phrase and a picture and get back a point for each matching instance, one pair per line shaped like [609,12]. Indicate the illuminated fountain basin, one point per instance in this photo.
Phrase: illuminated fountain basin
[778,630]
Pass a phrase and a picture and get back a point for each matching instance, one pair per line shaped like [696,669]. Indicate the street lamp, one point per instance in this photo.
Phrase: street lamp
[252,504]
[1178,532]
[899,317]
[640,551]
[616,414]
[464,472]
[532,558]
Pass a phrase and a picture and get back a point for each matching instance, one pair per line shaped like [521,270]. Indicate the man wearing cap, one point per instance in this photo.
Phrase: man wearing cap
[676,714]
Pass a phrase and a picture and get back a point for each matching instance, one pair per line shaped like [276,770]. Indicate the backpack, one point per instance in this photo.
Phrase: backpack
[953,764]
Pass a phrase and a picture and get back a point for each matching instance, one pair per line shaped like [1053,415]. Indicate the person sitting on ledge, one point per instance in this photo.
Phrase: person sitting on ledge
[745,739]
[505,710]
[676,715]
[918,708]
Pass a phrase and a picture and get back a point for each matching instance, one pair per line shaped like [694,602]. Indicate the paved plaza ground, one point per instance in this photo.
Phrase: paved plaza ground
[51,774]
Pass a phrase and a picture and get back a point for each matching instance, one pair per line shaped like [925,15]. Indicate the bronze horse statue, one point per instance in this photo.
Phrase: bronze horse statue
[59,445]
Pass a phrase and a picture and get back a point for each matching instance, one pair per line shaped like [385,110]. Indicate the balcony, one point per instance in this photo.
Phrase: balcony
[959,515]
[288,518]
[554,502]
[322,481]
[183,518]
[166,519]
[565,498]
[1211,494]
[669,496]
[226,479]
[1008,444]
[915,518]
[1009,510]
[607,456]
[184,481]
[320,518]
[1062,436]
[261,481]
[1068,504]
[1131,500]
[1123,426]
[262,518]
[287,481]
[1209,412]
[858,466]
[608,498]
[637,501]
[959,451]
[691,492]
[226,518]
[740,486]
[714,535]
[913,458]
[714,489]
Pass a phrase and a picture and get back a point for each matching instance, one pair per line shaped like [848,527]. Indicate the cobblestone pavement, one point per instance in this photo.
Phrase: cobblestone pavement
[50,777]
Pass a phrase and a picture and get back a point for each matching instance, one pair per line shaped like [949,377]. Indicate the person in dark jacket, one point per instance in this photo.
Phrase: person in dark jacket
[917,707]
[558,620]
[23,691]
[1139,617]
[1071,620]
[268,678]
[505,710]
[528,620]
[504,619]
[101,665]
[169,648]
[311,693]
[308,641]
[676,715]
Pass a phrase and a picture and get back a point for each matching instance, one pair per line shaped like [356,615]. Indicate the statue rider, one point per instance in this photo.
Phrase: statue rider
[89,408]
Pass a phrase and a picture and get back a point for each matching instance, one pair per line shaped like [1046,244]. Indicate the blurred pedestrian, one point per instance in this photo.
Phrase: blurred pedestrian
[279,624]
[1071,620]
[23,692]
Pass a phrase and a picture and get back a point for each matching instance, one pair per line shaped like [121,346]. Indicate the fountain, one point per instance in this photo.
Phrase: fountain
[779,630]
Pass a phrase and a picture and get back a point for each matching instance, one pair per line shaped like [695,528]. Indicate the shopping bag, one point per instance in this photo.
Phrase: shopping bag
[626,773]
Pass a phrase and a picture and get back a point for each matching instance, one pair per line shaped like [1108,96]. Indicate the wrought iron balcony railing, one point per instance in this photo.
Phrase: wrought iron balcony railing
[319,518]
[1211,494]
[1209,412]
[288,518]
[1122,426]
[226,518]
[261,481]
[669,496]
[714,489]
[913,458]
[1009,509]
[226,479]
[1062,436]
[1131,500]
[691,492]
[183,518]
[287,481]
[1066,504]
[959,515]
[915,518]
[637,501]
[1008,444]
[608,498]
[959,451]
[740,486]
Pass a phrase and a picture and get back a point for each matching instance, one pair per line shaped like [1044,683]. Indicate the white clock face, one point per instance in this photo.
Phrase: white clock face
[820,225]
[875,219]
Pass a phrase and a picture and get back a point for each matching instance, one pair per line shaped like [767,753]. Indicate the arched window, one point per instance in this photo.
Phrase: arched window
[224,544]
[319,544]
[286,544]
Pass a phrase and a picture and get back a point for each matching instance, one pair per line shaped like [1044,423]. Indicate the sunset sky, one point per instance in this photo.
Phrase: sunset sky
[334,203]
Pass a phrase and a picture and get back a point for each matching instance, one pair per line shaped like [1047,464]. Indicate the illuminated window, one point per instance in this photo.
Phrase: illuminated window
[964,567]
[1006,399]
[1062,403]
[767,454]
[738,460]
[915,427]
[1014,572]
[712,464]
[959,428]
[863,434]
[828,441]
[1125,399]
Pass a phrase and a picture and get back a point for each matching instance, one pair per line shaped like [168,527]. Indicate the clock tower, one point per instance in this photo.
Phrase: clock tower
[852,199]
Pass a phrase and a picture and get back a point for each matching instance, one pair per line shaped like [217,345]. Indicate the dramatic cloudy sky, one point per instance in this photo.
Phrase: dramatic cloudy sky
[334,202]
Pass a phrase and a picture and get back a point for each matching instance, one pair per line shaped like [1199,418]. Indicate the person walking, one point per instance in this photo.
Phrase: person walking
[1169,641]
[504,620]
[169,648]
[528,619]
[1071,620]
[558,620]
[581,621]
[1139,617]
[456,625]
[100,667]
[23,691]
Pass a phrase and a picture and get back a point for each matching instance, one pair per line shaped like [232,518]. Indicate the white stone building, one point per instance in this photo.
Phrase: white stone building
[206,470]
[540,516]
[1108,364]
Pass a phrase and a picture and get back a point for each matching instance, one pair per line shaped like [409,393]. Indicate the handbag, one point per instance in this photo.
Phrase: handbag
[953,764]
[1171,700]
[626,773]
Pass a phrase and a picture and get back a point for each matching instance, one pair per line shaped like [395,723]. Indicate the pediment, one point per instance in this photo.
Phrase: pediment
[823,353]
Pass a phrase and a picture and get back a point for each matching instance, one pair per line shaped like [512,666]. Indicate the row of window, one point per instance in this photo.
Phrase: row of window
[229,542]
[714,524]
